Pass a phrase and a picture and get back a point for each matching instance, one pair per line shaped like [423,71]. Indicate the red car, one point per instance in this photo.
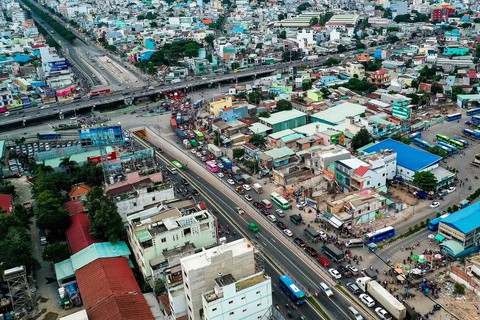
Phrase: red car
[281,225]
[258,205]
[211,156]
[323,261]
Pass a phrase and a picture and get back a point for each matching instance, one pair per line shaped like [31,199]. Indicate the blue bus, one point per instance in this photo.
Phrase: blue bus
[417,134]
[453,117]
[474,134]
[476,119]
[447,145]
[462,141]
[433,225]
[472,112]
[422,144]
[48,135]
[379,235]
[292,290]
[447,150]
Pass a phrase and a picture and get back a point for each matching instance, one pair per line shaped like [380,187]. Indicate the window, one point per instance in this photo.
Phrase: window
[258,292]
[230,302]
[214,309]
[258,305]
[134,204]
[188,297]
[244,310]
[153,198]
[163,240]
[383,174]
[243,298]
[184,274]
[231,313]
[186,285]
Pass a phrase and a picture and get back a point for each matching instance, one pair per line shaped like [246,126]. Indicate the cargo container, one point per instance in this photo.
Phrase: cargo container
[333,252]
[379,293]
[214,150]
[173,123]
[227,163]
[181,134]
[257,187]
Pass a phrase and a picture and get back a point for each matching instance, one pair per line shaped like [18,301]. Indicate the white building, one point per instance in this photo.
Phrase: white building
[305,40]
[159,238]
[247,298]
[137,193]
[207,295]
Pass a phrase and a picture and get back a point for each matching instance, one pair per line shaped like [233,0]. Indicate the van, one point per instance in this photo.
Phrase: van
[267,203]
[355,313]
[296,219]
[352,243]
[272,218]
[326,289]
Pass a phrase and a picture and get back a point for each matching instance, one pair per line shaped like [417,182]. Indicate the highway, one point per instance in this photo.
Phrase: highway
[271,242]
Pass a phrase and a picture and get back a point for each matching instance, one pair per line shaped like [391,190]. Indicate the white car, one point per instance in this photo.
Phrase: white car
[322,234]
[248,197]
[220,165]
[247,187]
[451,189]
[301,205]
[199,155]
[334,273]
[367,300]
[326,289]
[434,204]
[353,269]
[220,174]
[230,181]
[193,151]
[383,314]
[288,232]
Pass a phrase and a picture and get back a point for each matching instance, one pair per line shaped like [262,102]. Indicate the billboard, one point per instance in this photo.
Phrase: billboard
[101,136]
[58,65]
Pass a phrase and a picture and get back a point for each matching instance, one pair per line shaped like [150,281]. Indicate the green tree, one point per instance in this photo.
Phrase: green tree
[255,97]
[56,252]
[105,222]
[158,287]
[456,90]
[307,84]
[341,48]
[22,214]
[252,165]
[68,165]
[398,137]
[258,141]
[16,250]
[51,215]
[283,105]
[90,173]
[360,86]
[238,153]
[58,181]
[331,62]
[210,38]
[6,187]
[304,6]
[282,34]
[313,21]
[7,222]
[425,180]
[362,138]
[459,289]
[264,114]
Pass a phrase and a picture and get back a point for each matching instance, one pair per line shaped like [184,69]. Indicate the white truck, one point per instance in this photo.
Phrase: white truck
[379,293]
[215,150]
[257,187]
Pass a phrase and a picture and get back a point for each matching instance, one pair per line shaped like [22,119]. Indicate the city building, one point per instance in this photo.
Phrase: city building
[283,120]
[206,289]
[137,192]
[441,12]
[371,171]
[461,231]
[160,236]
[411,159]
[380,78]
[336,115]
[354,68]
[219,104]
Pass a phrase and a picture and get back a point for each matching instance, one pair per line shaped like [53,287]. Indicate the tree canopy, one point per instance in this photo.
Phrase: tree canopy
[51,214]
[283,105]
[170,54]
[425,180]
[258,140]
[362,138]
[56,252]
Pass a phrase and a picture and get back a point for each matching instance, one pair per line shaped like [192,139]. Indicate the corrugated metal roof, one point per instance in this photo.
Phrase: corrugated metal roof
[280,152]
[465,220]
[337,114]
[143,235]
[110,291]
[283,116]
[407,156]
[78,233]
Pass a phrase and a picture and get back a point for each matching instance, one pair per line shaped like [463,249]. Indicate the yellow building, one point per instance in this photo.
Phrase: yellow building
[315,95]
[218,105]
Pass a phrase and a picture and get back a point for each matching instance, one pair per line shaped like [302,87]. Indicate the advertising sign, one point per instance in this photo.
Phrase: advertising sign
[58,65]
[101,136]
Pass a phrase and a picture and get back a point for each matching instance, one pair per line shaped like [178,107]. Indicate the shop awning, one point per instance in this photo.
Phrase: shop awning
[337,223]
[439,237]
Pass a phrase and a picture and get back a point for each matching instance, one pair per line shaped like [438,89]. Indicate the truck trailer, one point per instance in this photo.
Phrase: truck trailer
[257,187]
[379,293]
[214,150]
[333,252]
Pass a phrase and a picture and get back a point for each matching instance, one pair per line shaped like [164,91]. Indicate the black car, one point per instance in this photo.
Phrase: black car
[344,271]
[311,251]
[353,288]
[300,242]
[281,225]
[258,205]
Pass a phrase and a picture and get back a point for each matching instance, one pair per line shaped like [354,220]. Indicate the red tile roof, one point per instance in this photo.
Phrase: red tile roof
[109,291]
[361,170]
[382,71]
[74,206]
[77,233]
[6,203]
[79,190]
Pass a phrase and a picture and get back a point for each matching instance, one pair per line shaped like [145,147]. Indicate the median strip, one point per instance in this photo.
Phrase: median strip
[317,307]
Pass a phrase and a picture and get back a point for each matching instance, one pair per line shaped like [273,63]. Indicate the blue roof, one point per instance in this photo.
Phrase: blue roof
[408,157]
[465,220]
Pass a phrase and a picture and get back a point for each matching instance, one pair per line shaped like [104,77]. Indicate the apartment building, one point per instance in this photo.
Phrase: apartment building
[138,192]
[371,171]
[160,236]
[380,78]
[221,278]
